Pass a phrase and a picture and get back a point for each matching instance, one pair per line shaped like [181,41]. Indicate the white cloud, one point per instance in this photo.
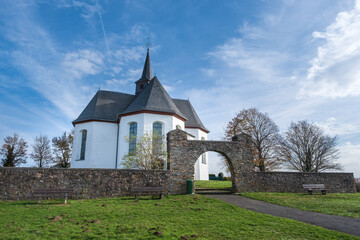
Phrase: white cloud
[262,64]
[335,71]
[115,82]
[168,88]
[83,62]
[350,157]
[333,127]
[64,77]
[87,10]
[208,71]
[125,55]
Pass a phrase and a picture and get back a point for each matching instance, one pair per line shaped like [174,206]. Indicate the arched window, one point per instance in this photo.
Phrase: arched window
[83,144]
[132,138]
[203,156]
[157,137]
[157,128]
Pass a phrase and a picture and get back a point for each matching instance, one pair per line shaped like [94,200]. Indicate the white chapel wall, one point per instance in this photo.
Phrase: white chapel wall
[144,124]
[100,150]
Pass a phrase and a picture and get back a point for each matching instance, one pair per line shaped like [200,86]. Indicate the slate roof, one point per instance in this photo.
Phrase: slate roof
[188,110]
[105,106]
[153,98]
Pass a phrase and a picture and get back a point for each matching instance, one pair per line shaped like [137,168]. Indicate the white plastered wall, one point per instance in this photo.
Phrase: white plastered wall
[144,124]
[100,150]
[201,169]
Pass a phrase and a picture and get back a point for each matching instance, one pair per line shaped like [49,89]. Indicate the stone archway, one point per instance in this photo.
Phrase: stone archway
[183,154]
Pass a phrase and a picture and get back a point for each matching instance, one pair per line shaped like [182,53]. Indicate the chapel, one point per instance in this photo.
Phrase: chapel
[102,130]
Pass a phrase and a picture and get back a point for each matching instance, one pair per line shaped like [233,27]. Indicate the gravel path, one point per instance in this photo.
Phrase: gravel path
[338,223]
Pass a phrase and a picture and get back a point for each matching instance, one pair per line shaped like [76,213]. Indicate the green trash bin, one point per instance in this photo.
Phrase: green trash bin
[190,186]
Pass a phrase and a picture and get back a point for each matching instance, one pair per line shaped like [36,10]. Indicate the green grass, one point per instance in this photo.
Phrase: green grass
[171,218]
[343,204]
[212,184]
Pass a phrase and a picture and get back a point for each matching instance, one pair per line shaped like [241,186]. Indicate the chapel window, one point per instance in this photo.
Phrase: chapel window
[83,144]
[132,138]
[157,136]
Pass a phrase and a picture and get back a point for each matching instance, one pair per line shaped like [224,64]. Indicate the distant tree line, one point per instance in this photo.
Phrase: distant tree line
[44,153]
[303,147]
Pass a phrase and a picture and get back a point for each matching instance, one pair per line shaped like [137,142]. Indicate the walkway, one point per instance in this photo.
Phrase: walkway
[338,223]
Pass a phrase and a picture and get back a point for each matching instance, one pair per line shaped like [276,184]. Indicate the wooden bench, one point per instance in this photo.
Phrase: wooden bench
[53,191]
[311,187]
[141,191]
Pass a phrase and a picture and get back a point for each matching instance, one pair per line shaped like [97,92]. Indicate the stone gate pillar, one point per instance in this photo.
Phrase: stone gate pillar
[179,163]
[241,158]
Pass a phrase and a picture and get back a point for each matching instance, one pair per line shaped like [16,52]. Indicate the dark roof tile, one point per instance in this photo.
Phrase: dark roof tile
[106,106]
[188,110]
[153,98]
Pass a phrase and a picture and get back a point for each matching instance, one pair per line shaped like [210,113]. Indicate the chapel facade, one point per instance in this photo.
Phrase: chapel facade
[110,118]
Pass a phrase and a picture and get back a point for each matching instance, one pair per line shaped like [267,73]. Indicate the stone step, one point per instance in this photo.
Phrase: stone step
[213,192]
[213,189]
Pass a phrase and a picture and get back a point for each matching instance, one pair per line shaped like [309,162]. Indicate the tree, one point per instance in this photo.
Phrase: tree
[14,151]
[307,149]
[62,148]
[150,153]
[42,151]
[264,134]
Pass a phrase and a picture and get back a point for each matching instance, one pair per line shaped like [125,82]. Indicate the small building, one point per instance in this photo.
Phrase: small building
[110,117]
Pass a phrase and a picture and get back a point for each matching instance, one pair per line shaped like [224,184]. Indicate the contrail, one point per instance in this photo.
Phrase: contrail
[102,25]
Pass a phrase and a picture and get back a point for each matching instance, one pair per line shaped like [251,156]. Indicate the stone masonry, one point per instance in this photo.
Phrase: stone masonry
[183,154]
[19,183]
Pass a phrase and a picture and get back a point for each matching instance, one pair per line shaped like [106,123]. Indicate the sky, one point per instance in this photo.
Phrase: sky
[295,60]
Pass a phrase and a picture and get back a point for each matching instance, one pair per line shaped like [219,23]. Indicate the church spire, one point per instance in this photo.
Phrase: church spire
[146,75]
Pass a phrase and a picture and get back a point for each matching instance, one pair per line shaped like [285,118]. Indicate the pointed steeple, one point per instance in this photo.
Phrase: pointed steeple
[146,75]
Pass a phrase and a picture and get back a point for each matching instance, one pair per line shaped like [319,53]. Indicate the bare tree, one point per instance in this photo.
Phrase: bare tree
[307,149]
[150,153]
[264,134]
[14,151]
[62,148]
[42,151]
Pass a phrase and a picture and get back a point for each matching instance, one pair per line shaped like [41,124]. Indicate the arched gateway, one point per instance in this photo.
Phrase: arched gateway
[183,154]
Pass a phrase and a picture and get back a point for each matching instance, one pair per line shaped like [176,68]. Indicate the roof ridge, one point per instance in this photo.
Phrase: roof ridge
[115,92]
[181,99]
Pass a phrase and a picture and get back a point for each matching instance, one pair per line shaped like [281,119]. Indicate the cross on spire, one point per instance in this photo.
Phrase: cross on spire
[148,43]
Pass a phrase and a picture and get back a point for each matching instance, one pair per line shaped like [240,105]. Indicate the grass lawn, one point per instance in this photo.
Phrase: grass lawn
[212,184]
[173,217]
[343,204]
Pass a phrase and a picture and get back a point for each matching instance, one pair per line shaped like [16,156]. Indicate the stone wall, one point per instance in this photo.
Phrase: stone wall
[292,181]
[18,183]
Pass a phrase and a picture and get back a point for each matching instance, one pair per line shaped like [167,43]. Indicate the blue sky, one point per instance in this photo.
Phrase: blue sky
[295,60]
